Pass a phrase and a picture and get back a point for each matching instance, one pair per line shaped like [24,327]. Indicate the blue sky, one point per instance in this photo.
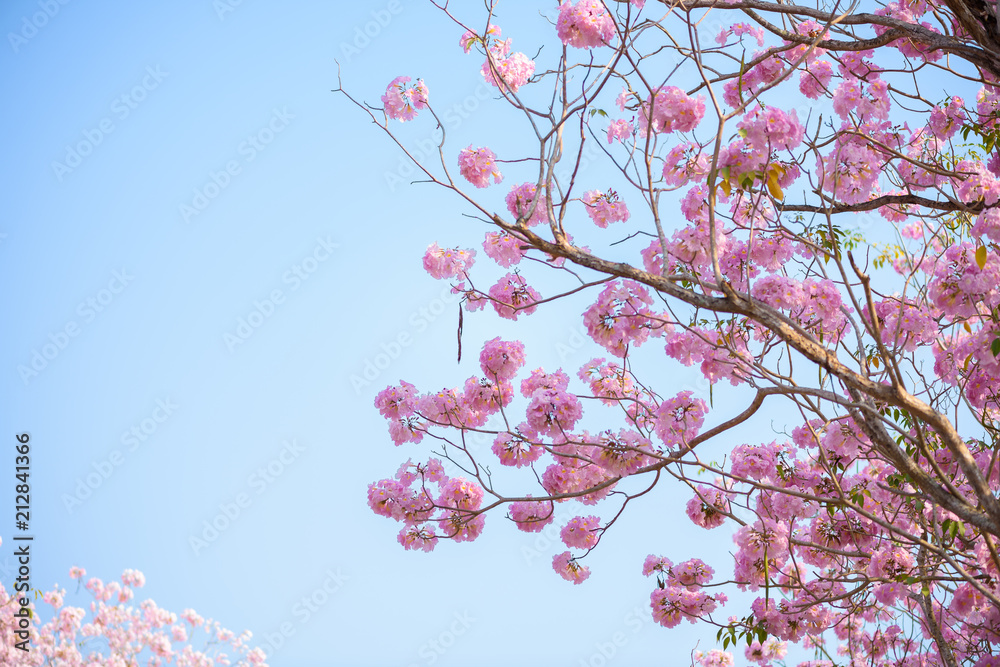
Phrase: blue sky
[180,177]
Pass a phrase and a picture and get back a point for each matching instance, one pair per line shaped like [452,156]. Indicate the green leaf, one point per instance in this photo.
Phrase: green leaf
[995,347]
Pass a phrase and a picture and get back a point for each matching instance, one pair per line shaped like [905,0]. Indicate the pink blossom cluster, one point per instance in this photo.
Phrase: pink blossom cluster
[738,30]
[448,262]
[503,69]
[673,110]
[503,248]
[621,317]
[478,165]
[769,129]
[402,101]
[679,596]
[683,163]
[605,207]
[581,532]
[709,507]
[680,418]
[450,513]
[620,130]
[569,569]
[524,204]
[531,516]
[116,632]
[512,296]
[585,24]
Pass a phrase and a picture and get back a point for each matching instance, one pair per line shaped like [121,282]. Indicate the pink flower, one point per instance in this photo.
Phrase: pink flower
[395,402]
[605,207]
[515,451]
[401,101]
[656,564]
[585,25]
[620,129]
[680,418]
[470,38]
[505,70]
[417,537]
[503,248]
[501,359]
[478,165]
[512,296]
[673,111]
[815,79]
[581,532]
[532,516]
[568,568]
[521,202]
[449,262]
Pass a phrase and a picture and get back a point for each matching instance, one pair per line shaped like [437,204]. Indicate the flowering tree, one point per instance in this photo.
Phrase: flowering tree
[747,144]
[116,634]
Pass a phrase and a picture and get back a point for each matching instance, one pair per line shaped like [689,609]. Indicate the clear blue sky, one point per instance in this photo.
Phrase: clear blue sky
[131,301]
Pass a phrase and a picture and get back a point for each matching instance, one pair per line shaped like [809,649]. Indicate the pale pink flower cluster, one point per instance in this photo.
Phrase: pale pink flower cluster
[946,119]
[851,172]
[709,506]
[905,324]
[478,165]
[569,569]
[679,596]
[814,79]
[623,454]
[770,129]
[585,24]
[763,654]
[621,318]
[115,633]
[679,419]
[521,201]
[402,101]
[684,162]
[501,358]
[532,516]
[512,296]
[620,129]
[714,658]
[673,110]
[505,70]
[448,262]
[976,183]
[605,207]
[513,450]
[738,30]
[581,532]
[607,381]
[503,248]
[470,38]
